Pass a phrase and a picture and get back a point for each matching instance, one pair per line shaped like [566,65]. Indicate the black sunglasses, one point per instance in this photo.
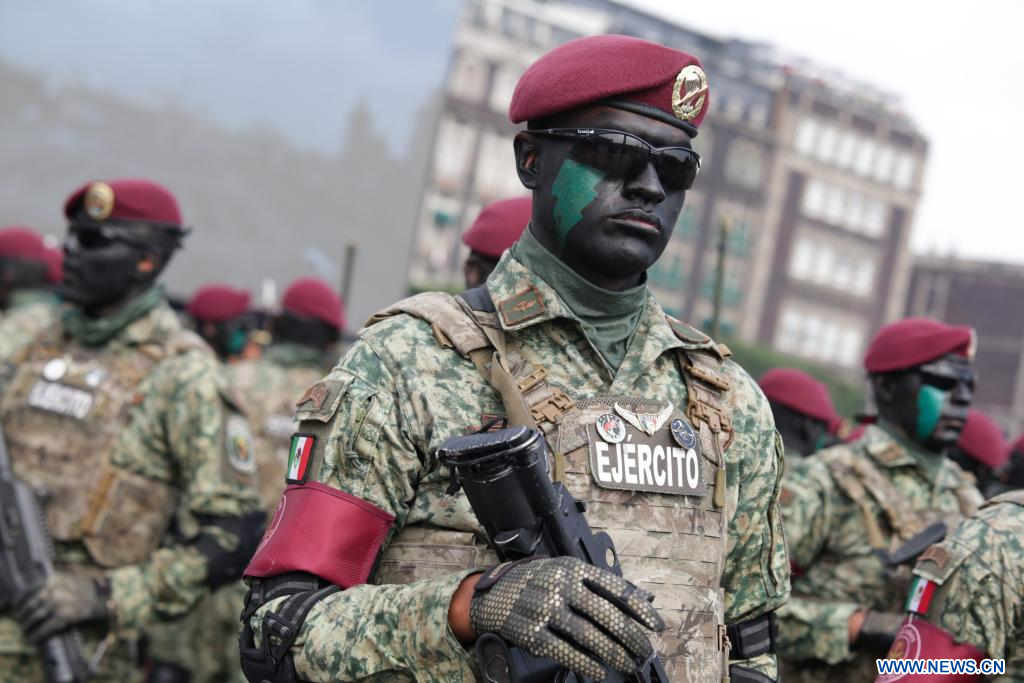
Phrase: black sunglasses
[624,155]
[93,236]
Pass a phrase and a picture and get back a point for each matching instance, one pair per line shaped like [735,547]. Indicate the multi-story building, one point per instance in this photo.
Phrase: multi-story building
[989,297]
[817,178]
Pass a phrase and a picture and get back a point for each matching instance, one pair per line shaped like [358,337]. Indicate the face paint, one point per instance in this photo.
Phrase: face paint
[574,188]
[929,407]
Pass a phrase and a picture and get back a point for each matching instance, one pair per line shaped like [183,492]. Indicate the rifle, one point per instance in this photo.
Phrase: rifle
[505,476]
[26,560]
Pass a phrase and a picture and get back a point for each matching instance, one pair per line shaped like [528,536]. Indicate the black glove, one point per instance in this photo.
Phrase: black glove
[878,631]
[61,602]
[549,607]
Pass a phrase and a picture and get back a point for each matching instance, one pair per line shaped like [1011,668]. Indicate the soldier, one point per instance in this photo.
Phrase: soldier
[28,274]
[849,503]
[981,450]
[802,409]
[496,229]
[967,600]
[121,419]
[1010,474]
[219,312]
[565,336]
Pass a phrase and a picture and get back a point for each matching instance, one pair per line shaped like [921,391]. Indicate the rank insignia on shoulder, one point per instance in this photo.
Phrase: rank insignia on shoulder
[921,593]
[299,456]
[521,307]
[241,452]
[316,395]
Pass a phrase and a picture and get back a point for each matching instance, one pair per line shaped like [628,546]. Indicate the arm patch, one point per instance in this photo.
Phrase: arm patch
[323,531]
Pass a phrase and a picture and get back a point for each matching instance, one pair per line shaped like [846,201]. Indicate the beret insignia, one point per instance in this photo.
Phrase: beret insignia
[99,201]
[689,92]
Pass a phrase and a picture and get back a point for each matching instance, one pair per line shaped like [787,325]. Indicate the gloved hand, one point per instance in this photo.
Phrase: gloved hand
[546,607]
[61,602]
[878,631]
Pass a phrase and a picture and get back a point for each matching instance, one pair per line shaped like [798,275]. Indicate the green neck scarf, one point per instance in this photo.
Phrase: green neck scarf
[26,297]
[97,331]
[608,318]
[288,354]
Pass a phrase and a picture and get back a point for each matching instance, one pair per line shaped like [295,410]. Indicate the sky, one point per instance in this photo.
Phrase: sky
[298,66]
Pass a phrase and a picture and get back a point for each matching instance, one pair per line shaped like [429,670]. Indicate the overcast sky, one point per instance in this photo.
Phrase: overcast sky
[297,66]
[958,68]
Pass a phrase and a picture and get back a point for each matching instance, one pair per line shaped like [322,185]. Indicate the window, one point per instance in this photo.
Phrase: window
[801,260]
[827,143]
[686,224]
[806,137]
[454,148]
[874,219]
[884,163]
[818,336]
[832,263]
[903,177]
[865,156]
[814,198]
[846,149]
[502,88]
[469,77]
[496,176]
[744,165]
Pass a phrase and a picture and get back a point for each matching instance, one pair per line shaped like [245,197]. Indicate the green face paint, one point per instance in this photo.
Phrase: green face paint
[574,188]
[929,406]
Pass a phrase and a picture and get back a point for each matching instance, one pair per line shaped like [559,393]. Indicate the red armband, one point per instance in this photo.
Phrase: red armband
[323,531]
[919,639]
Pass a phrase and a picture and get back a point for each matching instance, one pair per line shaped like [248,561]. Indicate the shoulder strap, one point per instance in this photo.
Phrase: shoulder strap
[706,387]
[454,325]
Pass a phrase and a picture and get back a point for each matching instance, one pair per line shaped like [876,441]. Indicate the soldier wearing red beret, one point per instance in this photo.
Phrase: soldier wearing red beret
[802,409]
[122,417]
[28,303]
[220,314]
[982,449]
[667,441]
[853,501]
[496,229]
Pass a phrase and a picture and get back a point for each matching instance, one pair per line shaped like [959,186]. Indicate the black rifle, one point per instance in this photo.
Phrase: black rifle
[26,560]
[505,476]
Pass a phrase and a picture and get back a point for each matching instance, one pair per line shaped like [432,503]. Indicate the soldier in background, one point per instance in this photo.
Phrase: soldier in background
[29,272]
[496,229]
[220,315]
[565,336]
[852,500]
[123,420]
[967,599]
[981,450]
[802,409]
[1010,475]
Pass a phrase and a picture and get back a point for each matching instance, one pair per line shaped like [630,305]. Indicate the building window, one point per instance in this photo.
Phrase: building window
[744,164]
[827,143]
[865,156]
[846,149]
[814,198]
[818,337]
[884,163]
[829,263]
[686,224]
[806,137]
[453,151]
[469,77]
[903,176]
[502,87]
[496,176]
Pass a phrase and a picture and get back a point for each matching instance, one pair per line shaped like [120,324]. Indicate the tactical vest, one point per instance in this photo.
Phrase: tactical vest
[63,413]
[671,545]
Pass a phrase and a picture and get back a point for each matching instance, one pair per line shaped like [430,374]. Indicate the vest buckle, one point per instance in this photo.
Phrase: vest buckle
[552,407]
[531,380]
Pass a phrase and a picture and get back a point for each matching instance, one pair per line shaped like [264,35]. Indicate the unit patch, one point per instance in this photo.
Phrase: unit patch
[682,433]
[299,455]
[60,399]
[628,457]
[521,307]
[241,453]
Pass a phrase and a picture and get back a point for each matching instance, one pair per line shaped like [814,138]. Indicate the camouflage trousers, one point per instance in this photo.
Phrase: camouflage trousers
[205,641]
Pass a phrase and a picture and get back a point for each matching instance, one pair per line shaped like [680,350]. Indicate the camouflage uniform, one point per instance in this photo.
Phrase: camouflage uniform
[29,313]
[979,569]
[405,386]
[159,451]
[206,641]
[838,507]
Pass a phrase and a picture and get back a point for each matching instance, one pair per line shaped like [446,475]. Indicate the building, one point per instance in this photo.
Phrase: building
[817,178]
[989,297]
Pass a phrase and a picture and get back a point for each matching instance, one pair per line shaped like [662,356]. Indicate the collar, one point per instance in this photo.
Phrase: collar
[148,319]
[890,449]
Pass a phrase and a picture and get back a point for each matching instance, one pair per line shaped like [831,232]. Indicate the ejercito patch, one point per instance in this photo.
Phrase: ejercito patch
[59,398]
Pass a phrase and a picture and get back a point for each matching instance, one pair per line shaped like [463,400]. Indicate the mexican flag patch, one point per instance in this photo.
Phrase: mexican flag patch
[299,456]
[921,593]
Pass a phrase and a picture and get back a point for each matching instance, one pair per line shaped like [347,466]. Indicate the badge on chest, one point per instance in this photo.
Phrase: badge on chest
[61,399]
[636,448]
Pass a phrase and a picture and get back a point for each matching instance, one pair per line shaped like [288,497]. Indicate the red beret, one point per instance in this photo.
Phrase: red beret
[312,298]
[983,440]
[23,243]
[54,257]
[217,303]
[620,71]
[498,226]
[914,341]
[132,199]
[800,392]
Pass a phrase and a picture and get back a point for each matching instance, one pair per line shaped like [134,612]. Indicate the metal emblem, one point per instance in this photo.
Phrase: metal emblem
[55,369]
[689,92]
[645,422]
[99,201]
[94,377]
[611,428]
[682,433]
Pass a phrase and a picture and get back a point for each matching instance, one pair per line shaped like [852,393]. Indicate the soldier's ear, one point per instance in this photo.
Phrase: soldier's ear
[883,386]
[525,146]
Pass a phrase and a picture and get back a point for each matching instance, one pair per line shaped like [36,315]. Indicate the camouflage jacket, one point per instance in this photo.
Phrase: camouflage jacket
[29,313]
[268,389]
[979,568]
[174,434]
[399,392]
[839,506]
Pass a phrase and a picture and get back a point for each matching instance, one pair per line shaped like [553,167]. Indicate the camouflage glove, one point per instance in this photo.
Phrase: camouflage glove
[582,617]
[878,631]
[61,602]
